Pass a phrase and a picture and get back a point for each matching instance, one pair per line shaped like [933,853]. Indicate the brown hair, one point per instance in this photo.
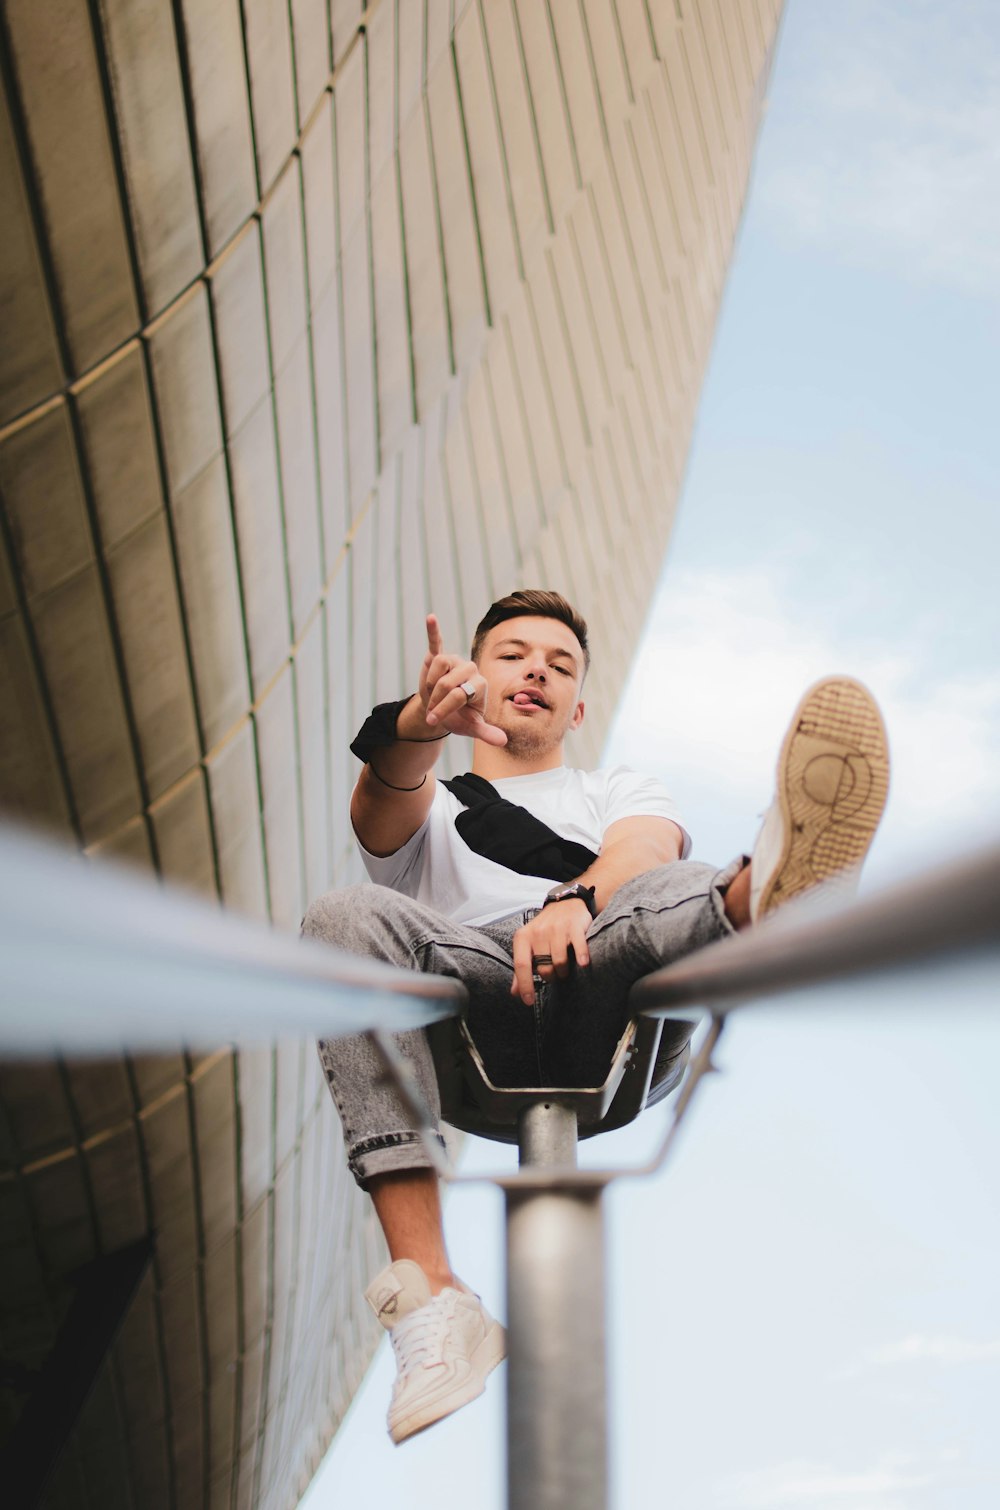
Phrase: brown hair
[539,603]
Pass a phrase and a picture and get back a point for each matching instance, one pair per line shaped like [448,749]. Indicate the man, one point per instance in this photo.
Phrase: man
[464,877]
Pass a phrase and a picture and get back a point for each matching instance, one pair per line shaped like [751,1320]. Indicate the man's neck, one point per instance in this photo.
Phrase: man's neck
[494,763]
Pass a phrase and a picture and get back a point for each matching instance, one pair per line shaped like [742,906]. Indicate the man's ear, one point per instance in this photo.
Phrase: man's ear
[577,718]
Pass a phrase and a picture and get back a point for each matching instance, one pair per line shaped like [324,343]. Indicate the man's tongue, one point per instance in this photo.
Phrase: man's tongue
[524,700]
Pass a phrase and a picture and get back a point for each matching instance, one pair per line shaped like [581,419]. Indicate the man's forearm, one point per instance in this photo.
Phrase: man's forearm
[623,861]
[393,794]
[415,750]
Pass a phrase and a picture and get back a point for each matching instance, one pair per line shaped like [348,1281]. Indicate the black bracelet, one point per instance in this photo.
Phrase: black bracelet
[378,731]
[398,788]
[407,739]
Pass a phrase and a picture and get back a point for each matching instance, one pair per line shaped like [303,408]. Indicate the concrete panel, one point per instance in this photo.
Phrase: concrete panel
[30,366]
[392,345]
[522,159]
[312,731]
[269,62]
[311,52]
[154,651]
[82,680]
[464,279]
[59,80]
[284,265]
[234,794]
[344,18]
[277,745]
[491,186]
[145,76]
[260,543]
[424,268]
[54,543]
[30,768]
[213,49]
[119,448]
[328,378]
[238,309]
[129,845]
[183,831]
[297,449]
[210,593]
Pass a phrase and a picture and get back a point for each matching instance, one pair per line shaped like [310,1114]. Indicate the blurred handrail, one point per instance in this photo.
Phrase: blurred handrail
[945,913]
[96,958]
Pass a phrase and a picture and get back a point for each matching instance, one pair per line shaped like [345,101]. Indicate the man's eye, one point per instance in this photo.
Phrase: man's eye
[564,671]
[510,656]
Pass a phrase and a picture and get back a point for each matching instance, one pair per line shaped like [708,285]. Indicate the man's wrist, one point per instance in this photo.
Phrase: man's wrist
[572,890]
[411,726]
[381,730]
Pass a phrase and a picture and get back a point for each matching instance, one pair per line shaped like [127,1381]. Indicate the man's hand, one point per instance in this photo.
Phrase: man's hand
[445,700]
[542,947]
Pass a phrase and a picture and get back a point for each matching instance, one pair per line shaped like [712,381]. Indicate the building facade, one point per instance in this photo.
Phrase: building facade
[315,318]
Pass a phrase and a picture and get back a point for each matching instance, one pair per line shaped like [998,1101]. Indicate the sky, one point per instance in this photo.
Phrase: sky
[803,1305]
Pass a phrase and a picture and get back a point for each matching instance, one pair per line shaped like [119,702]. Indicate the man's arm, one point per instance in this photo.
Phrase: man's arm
[631,847]
[394,793]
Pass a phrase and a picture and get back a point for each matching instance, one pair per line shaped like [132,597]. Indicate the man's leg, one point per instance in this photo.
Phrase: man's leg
[378,1130]
[736,899]
[408,1205]
[657,917]
[832,783]
[445,1341]
[832,779]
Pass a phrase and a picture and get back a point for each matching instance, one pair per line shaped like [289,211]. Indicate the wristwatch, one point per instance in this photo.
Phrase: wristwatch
[569,889]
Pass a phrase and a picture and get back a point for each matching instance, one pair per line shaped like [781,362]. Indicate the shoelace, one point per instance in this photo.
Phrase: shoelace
[421,1334]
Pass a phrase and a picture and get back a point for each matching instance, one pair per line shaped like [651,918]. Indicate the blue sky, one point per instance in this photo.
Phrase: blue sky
[804,1309]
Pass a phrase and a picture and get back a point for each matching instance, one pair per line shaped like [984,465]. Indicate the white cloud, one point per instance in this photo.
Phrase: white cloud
[893,158]
[885,1486]
[949,1351]
[723,665]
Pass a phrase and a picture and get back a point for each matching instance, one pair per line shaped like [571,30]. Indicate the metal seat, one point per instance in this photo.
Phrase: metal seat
[472,1103]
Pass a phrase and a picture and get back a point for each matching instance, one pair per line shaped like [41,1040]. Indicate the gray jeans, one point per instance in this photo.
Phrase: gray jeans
[567,1038]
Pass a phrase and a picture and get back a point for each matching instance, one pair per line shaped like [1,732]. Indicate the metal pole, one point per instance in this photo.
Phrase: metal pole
[556,1384]
[546,1136]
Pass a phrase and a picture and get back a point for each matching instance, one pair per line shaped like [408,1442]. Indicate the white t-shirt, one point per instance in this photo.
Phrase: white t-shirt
[437,867]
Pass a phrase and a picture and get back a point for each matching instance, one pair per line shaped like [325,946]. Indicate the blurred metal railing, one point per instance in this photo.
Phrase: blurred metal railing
[96,958]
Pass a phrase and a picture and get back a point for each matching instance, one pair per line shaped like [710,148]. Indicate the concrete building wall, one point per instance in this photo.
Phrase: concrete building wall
[315,318]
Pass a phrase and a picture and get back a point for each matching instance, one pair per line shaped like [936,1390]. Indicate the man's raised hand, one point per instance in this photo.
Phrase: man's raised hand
[445,699]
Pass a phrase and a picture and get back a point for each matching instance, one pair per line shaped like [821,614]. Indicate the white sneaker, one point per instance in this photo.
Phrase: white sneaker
[833,778]
[446,1345]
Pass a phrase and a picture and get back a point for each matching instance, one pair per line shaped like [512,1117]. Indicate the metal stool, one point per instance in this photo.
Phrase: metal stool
[556,1385]
[472,1103]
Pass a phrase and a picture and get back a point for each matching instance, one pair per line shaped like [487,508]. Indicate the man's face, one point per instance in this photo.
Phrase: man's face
[534,671]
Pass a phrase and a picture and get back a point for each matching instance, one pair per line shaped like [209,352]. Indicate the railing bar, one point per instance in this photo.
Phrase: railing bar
[949,911]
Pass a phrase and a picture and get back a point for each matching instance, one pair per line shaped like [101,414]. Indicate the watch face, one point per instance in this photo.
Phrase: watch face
[573,889]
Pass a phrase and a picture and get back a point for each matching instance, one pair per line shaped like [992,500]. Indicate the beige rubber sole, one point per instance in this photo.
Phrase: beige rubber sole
[491,1351]
[833,780]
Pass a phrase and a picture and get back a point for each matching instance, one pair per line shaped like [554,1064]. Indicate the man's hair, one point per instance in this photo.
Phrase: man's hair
[540,604]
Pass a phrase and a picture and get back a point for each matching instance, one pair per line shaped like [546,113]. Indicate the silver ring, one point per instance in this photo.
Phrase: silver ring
[470,689]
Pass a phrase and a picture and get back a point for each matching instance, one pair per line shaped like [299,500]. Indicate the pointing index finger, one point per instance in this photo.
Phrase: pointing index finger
[435,644]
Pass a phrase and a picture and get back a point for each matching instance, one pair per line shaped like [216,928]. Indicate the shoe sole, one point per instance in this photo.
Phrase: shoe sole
[833,779]
[491,1351]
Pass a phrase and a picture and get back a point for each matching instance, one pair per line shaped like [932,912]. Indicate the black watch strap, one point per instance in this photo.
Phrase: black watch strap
[573,889]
